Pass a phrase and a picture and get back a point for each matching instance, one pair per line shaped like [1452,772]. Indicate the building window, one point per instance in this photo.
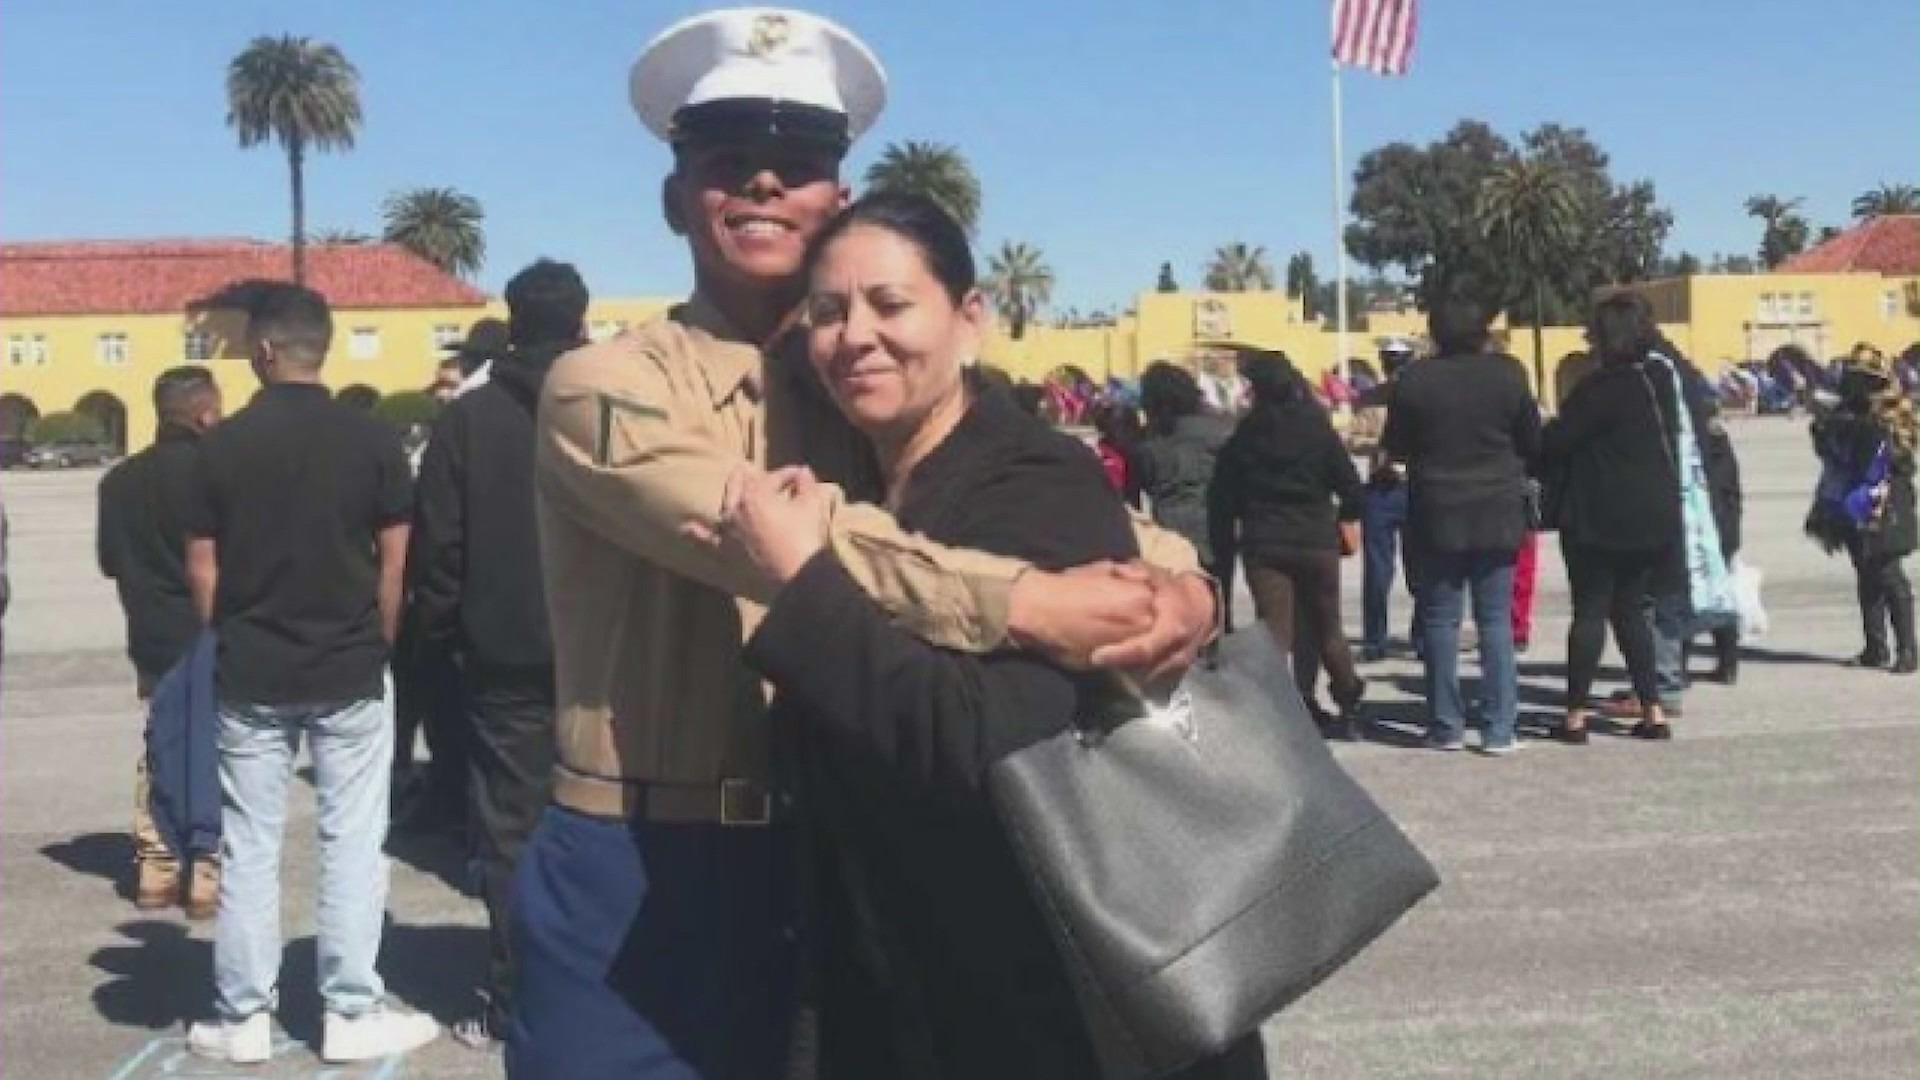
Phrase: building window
[197,345]
[1806,305]
[17,350]
[363,343]
[112,349]
[445,336]
[1766,307]
[1889,304]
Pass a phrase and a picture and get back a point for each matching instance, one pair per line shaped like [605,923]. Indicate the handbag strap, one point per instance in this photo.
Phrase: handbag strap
[1659,417]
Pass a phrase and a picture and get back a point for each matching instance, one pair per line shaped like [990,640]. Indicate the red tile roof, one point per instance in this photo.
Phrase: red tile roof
[113,277]
[1882,245]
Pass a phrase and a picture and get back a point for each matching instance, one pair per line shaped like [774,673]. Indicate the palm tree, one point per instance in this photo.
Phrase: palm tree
[1238,267]
[440,225]
[1786,231]
[1529,212]
[935,170]
[1887,199]
[302,94]
[1020,283]
[1303,282]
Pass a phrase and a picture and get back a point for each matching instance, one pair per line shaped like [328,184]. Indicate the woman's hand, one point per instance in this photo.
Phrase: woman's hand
[779,519]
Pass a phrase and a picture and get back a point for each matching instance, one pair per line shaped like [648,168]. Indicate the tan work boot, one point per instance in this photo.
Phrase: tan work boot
[203,890]
[157,887]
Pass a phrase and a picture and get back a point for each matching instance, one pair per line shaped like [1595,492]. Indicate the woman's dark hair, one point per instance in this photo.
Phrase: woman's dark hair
[1167,393]
[1621,329]
[916,219]
[1459,317]
[1272,378]
[1117,423]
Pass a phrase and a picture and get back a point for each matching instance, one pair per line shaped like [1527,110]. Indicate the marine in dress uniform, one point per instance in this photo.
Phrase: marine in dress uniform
[650,911]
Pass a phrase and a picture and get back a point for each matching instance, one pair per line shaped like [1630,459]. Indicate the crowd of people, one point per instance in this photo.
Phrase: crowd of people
[604,554]
[1636,473]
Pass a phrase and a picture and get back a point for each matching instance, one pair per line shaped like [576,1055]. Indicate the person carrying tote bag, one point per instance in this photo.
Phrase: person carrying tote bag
[1015,871]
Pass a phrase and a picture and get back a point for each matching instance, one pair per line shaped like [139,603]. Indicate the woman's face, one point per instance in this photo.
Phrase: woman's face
[884,335]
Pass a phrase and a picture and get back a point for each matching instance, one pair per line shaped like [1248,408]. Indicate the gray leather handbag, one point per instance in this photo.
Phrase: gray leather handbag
[1204,864]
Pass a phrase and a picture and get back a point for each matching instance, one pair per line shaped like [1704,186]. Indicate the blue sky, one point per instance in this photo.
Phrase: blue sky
[1114,134]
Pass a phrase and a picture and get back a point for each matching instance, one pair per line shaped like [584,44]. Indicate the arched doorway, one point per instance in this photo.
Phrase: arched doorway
[17,414]
[112,415]
[360,396]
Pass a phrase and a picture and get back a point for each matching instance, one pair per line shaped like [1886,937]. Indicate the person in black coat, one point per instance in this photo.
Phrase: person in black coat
[474,572]
[1613,450]
[141,543]
[1174,463]
[1865,503]
[1722,466]
[1466,424]
[934,961]
[1286,499]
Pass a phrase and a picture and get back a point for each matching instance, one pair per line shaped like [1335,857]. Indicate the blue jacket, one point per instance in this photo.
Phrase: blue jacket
[183,754]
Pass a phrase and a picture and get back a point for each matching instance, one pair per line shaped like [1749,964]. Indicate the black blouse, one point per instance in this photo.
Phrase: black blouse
[932,949]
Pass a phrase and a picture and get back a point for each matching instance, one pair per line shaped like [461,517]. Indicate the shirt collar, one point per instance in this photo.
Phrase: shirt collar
[739,361]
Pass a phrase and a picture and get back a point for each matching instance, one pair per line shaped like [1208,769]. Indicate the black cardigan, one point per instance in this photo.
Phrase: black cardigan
[1613,456]
[1280,483]
[934,959]
[1469,430]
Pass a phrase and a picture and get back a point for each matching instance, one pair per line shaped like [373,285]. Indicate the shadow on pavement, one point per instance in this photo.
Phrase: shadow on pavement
[102,855]
[162,977]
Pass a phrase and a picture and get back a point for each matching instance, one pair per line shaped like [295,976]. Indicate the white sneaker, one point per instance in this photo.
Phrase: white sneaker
[242,1042]
[1505,749]
[376,1034]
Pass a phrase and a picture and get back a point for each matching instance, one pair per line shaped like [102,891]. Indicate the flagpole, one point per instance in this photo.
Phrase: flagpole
[1339,234]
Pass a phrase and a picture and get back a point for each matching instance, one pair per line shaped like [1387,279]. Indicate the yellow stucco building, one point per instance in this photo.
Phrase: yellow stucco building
[90,325]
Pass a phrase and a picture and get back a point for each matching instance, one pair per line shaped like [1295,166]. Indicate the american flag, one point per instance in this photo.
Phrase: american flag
[1375,34]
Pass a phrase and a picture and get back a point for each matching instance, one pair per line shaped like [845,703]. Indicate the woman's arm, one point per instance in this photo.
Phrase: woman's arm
[937,716]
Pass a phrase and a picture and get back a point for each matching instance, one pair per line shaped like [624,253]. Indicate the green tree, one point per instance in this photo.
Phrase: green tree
[1414,209]
[1887,199]
[1529,212]
[407,408]
[1020,284]
[341,237]
[935,170]
[1686,264]
[301,94]
[1166,282]
[1239,267]
[1784,232]
[1303,282]
[441,225]
[66,427]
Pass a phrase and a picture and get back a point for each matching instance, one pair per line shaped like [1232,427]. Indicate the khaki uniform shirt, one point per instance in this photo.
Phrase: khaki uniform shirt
[637,437]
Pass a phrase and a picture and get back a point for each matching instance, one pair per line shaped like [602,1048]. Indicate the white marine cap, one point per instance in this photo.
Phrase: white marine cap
[757,73]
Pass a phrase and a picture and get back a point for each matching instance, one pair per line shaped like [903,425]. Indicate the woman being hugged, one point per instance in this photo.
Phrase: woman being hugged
[934,959]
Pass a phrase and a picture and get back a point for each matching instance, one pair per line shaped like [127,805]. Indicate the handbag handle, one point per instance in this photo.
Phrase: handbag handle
[1659,418]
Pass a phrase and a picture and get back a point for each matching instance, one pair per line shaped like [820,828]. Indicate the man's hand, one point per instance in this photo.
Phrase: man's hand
[1184,621]
[1067,616]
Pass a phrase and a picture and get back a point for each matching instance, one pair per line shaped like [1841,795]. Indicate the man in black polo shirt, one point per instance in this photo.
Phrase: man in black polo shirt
[141,542]
[299,537]
[474,571]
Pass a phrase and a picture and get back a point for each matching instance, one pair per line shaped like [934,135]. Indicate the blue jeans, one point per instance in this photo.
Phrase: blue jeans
[352,747]
[1446,580]
[1383,519]
[1672,619]
[651,952]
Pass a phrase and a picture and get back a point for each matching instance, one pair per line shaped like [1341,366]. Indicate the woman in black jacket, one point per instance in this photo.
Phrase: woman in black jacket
[1286,498]
[1612,449]
[1175,462]
[934,959]
[1865,503]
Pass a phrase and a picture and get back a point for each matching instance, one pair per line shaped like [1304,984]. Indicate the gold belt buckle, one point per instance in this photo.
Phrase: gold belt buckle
[744,802]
